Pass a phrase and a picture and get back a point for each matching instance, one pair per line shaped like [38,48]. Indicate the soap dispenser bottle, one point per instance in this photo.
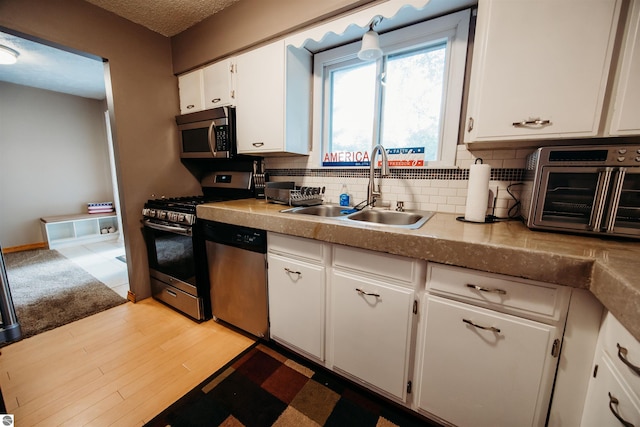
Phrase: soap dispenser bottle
[344,196]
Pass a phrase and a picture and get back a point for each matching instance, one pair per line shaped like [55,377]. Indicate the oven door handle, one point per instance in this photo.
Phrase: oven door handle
[184,231]
[615,199]
[600,198]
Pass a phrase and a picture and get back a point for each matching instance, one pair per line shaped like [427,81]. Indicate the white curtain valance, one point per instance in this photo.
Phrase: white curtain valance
[360,18]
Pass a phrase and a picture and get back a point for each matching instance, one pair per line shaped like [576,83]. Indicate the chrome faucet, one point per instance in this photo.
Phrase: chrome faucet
[372,194]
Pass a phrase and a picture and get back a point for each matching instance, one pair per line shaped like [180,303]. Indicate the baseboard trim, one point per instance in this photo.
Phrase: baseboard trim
[41,245]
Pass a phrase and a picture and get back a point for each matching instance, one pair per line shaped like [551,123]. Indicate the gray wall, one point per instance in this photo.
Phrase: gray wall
[54,159]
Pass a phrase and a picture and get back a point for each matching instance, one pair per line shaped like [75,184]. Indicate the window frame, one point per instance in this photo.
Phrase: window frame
[452,29]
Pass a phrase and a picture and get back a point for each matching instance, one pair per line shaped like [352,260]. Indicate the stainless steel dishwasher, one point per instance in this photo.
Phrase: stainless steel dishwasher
[236,258]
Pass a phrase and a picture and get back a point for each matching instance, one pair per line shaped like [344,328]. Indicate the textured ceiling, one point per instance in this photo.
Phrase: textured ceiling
[167,17]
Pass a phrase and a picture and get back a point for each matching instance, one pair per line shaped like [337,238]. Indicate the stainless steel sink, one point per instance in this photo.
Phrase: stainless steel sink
[319,210]
[408,219]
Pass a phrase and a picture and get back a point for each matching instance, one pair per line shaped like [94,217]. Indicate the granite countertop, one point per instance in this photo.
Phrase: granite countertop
[608,268]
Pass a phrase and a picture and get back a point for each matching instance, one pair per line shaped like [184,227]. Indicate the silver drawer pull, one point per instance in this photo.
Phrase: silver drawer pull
[483,289]
[613,401]
[289,271]
[216,100]
[371,294]
[173,294]
[258,144]
[622,355]
[486,328]
[532,122]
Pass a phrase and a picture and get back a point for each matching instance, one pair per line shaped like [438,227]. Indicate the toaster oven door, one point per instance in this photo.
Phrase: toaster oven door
[572,198]
[623,213]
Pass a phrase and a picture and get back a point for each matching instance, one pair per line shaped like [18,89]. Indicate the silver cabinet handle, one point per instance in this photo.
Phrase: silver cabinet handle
[483,289]
[372,294]
[190,106]
[613,401]
[622,355]
[470,125]
[532,122]
[216,100]
[289,271]
[258,144]
[486,328]
[173,294]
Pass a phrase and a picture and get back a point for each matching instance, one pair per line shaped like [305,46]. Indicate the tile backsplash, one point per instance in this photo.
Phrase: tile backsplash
[440,190]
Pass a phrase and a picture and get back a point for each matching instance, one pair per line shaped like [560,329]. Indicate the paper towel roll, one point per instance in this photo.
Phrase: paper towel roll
[477,193]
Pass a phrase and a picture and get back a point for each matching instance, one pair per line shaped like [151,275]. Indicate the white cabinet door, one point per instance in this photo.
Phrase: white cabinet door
[190,89]
[539,61]
[297,304]
[626,114]
[260,99]
[217,81]
[599,409]
[371,330]
[478,367]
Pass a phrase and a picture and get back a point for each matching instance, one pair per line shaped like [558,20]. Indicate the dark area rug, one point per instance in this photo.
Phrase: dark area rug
[272,387]
[50,290]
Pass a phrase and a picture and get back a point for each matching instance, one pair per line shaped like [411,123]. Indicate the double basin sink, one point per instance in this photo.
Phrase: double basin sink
[398,219]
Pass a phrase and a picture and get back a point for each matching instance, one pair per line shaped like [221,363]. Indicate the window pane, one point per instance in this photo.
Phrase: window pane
[351,107]
[412,108]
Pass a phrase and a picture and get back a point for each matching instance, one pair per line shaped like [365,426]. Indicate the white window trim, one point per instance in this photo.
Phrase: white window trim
[453,27]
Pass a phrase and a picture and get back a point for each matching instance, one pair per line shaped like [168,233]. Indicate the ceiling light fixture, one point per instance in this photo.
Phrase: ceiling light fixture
[370,49]
[8,55]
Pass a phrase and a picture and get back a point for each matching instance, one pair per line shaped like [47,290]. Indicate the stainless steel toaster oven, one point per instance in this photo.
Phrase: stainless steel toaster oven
[585,189]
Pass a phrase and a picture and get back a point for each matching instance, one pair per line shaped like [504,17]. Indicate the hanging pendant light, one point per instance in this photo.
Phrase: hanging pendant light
[370,49]
[8,55]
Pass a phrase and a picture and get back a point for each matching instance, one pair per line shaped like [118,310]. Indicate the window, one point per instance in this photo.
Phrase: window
[409,100]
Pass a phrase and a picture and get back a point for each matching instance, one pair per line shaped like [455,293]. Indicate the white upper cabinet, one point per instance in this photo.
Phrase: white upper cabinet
[218,84]
[273,88]
[626,104]
[540,69]
[190,89]
[208,87]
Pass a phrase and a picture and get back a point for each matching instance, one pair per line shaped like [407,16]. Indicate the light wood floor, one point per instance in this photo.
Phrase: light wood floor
[119,367]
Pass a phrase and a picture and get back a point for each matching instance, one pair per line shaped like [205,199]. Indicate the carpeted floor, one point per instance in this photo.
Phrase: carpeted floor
[49,290]
[265,387]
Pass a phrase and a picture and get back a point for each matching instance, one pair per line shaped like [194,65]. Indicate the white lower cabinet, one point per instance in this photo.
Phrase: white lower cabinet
[296,281]
[371,325]
[296,304]
[460,346]
[488,347]
[484,368]
[613,398]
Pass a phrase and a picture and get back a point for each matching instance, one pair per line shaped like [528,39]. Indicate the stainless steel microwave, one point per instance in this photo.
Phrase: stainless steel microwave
[208,134]
[584,189]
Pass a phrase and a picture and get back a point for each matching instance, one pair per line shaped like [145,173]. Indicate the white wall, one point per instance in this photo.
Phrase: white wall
[54,159]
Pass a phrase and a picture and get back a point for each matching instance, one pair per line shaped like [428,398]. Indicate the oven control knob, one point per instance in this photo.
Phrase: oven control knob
[621,158]
[162,214]
[622,151]
[637,158]
[181,218]
[151,213]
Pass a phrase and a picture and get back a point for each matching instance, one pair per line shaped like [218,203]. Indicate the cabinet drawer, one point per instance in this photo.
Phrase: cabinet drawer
[296,246]
[599,409]
[394,267]
[526,298]
[614,334]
